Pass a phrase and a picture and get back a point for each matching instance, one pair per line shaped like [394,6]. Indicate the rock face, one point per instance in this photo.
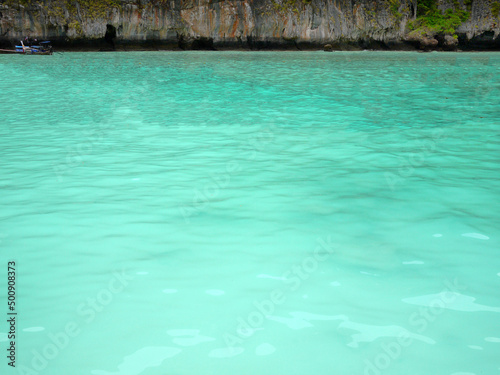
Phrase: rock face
[235,24]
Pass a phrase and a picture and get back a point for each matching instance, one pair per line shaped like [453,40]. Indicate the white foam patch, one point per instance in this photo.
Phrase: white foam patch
[366,332]
[34,329]
[492,339]
[475,347]
[437,235]
[136,363]
[264,276]
[369,333]
[169,291]
[215,292]
[450,300]
[265,349]
[413,262]
[368,273]
[3,337]
[335,283]
[476,235]
[225,352]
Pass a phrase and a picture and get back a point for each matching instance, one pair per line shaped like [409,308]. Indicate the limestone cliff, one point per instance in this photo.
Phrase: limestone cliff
[246,24]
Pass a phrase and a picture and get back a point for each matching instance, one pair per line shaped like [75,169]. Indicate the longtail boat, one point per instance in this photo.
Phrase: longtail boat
[43,49]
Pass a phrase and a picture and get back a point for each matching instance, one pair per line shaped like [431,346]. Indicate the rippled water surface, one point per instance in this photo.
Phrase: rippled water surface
[251,213]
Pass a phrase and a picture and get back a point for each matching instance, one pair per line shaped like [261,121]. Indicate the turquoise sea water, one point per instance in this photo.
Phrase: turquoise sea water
[251,213]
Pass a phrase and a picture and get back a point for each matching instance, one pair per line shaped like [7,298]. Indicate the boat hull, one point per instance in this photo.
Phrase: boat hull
[26,52]
[7,51]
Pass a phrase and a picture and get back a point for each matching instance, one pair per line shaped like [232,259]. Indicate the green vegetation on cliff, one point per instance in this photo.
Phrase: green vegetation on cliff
[394,7]
[287,6]
[432,21]
[495,8]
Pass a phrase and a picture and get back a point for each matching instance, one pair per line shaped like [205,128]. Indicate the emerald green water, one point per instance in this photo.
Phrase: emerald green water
[251,213]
